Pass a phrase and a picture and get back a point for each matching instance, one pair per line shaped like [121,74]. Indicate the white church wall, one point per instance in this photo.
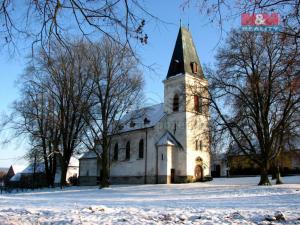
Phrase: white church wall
[178,120]
[164,160]
[88,167]
[128,167]
[152,151]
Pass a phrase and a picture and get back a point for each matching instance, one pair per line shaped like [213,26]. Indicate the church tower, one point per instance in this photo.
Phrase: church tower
[186,107]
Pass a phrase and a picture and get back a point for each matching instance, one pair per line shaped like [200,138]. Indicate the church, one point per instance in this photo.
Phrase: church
[167,142]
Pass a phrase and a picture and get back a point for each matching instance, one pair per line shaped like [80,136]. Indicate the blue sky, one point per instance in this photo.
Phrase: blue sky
[157,52]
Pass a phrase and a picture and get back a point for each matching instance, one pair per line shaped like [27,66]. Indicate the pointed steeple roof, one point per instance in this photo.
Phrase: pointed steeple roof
[185,58]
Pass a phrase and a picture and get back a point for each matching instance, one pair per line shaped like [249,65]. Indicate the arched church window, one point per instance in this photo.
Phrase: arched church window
[194,67]
[200,145]
[141,149]
[176,103]
[116,152]
[198,103]
[127,155]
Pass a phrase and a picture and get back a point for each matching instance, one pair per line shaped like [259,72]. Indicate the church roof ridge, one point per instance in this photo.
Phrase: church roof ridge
[146,107]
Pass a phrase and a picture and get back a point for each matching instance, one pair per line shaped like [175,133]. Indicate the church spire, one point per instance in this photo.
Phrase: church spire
[184,58]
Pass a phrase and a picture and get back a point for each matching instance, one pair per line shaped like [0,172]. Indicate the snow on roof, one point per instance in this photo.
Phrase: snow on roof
[39,168]
[168,139]
[142,118]
[74,162]
[18,168]
[16,177]
[89,155]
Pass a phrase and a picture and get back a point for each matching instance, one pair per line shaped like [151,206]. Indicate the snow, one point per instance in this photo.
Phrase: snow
[39,168]
[152,113]
[89,155]
[18,168]
[74,162]
[222,201]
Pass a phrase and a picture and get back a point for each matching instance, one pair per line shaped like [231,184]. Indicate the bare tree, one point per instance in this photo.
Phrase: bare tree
[54,105]
[32,117]
[117,83]
[220,12]
[69,74]
[253,92]
[42,22]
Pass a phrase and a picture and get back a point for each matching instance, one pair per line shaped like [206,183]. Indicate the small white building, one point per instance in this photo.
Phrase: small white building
[72,171]
[167,142]
[39,168]
[219,165]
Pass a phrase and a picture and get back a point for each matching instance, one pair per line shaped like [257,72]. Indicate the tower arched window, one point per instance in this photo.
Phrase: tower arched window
[127,155]
[176,103]
[116,152]
[194,66]
[141,149]
[198,103]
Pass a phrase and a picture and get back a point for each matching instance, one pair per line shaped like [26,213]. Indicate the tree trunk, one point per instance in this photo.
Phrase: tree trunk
[63,171]
[46,163]
[264,180]
[273,171]
[278,176]
[53,171]
[34,173]
[63,175]
[104,176]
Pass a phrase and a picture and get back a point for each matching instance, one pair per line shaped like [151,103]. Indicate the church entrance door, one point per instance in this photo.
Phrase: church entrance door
[198,173]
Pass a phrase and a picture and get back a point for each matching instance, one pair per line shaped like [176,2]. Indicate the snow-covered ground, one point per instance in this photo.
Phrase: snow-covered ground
[222,201]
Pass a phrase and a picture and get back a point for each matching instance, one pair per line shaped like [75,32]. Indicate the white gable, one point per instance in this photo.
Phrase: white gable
[168,139]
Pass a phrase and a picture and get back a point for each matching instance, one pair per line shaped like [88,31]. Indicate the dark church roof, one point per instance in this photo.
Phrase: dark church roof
[184,55]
